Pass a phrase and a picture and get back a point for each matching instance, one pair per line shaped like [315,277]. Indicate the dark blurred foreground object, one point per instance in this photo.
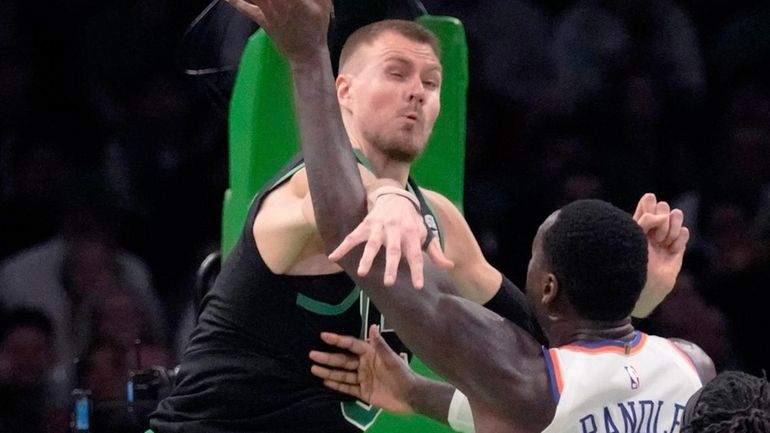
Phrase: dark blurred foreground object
[733,402]
[212,46]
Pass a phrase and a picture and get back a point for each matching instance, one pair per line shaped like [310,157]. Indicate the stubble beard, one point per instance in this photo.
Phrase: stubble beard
[402,147]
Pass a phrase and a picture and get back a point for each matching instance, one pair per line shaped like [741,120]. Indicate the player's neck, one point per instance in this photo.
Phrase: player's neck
[384,166]
[591,330]
[388,168]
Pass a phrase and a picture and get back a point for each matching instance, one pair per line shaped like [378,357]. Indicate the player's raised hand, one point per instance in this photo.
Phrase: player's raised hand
[666,241]
[298,27]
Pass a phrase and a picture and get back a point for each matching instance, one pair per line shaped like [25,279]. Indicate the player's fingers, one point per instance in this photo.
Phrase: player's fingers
[370,250]
[646,205]
[681,242]
[344,388]
[675,221]
[662,208]
[413,254]
[436,255]
[345,342]
[650,221]
[360,234]
[374,335]
[392,254]
[339,360]
[385,353]
[340,376]
[250,10]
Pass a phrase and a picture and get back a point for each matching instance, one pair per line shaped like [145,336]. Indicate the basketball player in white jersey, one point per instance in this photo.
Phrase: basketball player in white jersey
[603,375]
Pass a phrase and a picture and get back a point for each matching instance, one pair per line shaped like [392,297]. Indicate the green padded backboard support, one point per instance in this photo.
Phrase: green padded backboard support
[264,136]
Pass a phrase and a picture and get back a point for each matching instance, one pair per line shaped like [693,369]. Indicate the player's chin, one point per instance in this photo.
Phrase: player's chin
[404,153]
[409,148]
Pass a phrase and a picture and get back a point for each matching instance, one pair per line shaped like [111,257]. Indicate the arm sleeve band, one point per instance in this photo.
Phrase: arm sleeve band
[510,302]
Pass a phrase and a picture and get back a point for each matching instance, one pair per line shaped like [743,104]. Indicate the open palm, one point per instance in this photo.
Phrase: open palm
[371,372]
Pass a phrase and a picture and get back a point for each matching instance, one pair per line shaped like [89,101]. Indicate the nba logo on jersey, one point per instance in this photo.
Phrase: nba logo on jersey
[633,375]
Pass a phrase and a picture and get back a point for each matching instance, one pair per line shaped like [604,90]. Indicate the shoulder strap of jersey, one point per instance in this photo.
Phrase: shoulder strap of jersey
[285,173]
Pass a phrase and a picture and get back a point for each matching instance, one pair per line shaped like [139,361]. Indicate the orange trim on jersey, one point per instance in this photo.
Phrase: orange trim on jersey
[615,348]
[684,355]
[556,369]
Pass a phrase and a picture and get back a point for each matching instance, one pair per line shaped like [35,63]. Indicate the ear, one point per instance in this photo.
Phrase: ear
[550,297]
[550,289]
[343,83]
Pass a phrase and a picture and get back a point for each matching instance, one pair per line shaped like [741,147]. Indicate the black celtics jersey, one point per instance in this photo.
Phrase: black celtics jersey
[246,368]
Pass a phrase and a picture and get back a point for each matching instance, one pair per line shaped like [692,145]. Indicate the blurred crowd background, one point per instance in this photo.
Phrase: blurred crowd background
[113,163]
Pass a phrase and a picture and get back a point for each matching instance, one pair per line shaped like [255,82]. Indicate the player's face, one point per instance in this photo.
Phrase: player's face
[394,95]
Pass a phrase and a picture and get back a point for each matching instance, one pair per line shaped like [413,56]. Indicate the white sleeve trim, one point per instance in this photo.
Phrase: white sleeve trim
[460,417]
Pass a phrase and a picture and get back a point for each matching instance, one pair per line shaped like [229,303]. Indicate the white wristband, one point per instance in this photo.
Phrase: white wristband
[388,190]
[460,417]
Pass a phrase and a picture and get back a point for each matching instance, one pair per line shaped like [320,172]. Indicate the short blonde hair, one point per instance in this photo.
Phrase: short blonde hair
[368,33]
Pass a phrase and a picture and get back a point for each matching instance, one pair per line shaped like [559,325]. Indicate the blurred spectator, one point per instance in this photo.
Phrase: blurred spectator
[66,276]
[27,359]
[121,321]
[631,75]
[600,44]
[506,41]
[729,216]
[104,370]
[737,294]
[741,48]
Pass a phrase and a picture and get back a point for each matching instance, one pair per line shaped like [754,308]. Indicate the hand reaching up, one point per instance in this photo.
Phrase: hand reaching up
[666,241]
[298,27]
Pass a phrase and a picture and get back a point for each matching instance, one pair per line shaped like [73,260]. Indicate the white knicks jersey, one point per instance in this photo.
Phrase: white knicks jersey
[615,387]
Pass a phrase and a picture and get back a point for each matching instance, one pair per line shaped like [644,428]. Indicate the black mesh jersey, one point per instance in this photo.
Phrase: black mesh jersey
[246,368]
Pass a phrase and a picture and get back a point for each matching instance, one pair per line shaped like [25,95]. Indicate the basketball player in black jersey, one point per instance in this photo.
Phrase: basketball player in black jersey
[246,367]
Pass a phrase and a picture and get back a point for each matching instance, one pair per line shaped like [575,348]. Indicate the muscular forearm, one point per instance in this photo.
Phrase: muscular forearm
[338,196]
[431,398]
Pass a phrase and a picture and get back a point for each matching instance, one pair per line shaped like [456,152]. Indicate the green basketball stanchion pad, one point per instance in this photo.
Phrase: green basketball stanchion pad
[264,136]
